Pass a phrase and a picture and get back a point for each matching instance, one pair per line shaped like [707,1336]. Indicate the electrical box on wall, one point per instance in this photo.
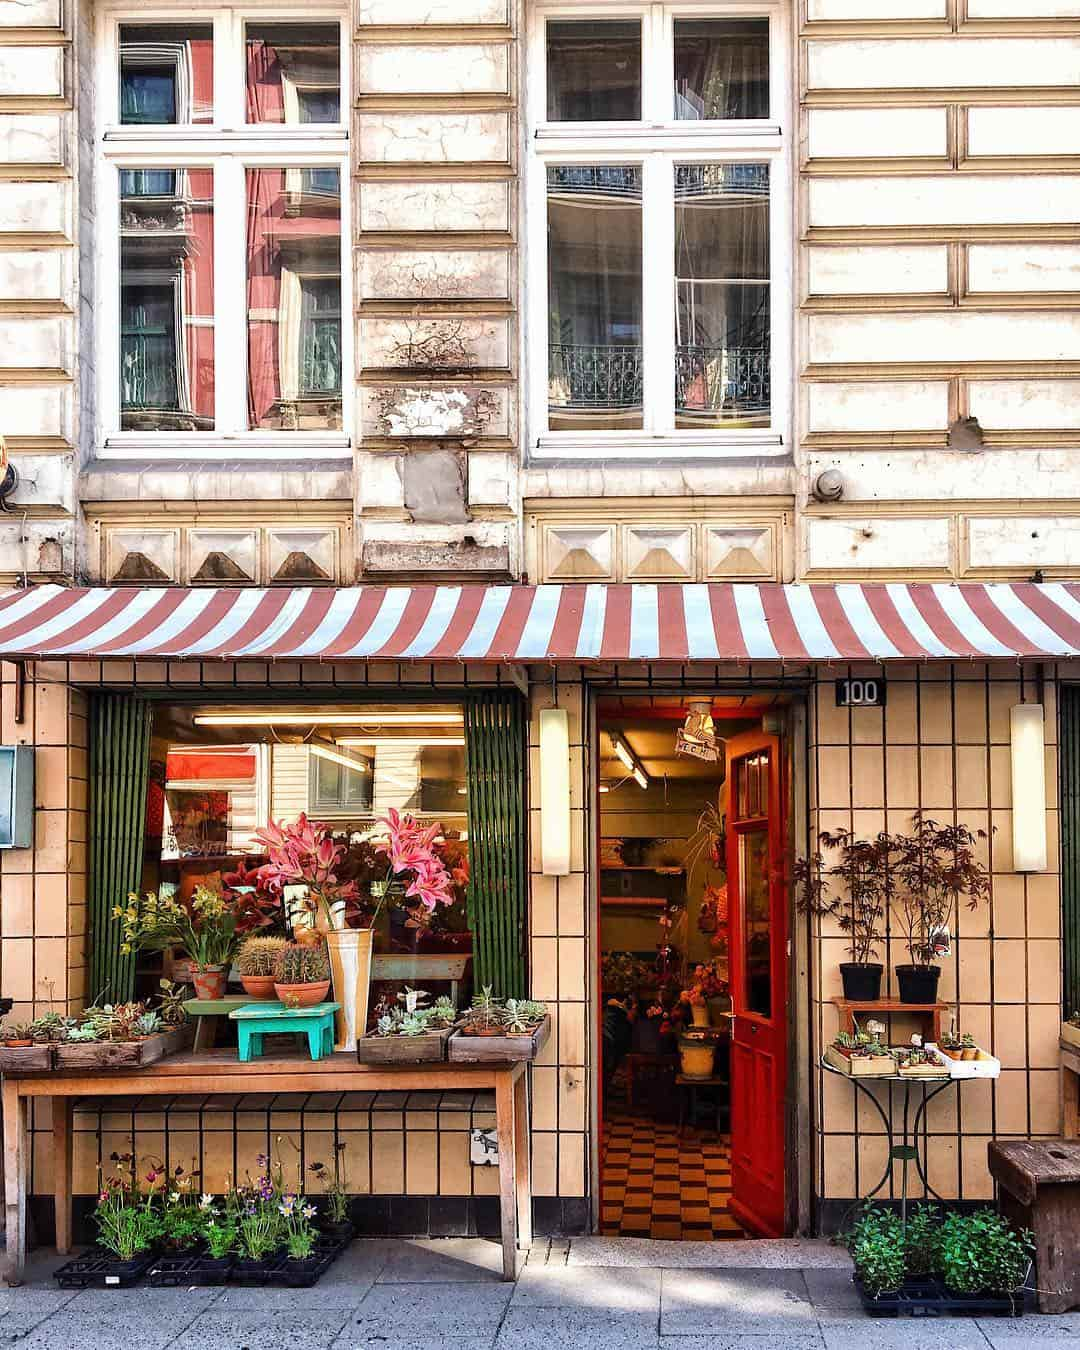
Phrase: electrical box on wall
[16,796]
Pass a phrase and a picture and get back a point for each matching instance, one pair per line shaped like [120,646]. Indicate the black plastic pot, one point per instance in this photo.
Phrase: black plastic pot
[918,984]
[862,982]
[304,1273]
[341,1232]
[255,1273]
[930,1298]
[98,1269]
[209,1271]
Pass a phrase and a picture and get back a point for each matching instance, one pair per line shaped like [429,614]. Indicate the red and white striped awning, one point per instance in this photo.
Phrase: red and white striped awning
[547,623]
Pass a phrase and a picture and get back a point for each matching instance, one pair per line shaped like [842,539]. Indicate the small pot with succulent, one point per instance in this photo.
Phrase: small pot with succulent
[255,965]
[958,1047]
[861,1055]
[301,975]
[18,1035]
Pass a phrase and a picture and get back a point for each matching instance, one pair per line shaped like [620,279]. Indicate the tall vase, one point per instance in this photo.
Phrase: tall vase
[350,970]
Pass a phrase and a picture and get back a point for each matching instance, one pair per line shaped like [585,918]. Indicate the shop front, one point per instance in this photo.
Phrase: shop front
[644,893]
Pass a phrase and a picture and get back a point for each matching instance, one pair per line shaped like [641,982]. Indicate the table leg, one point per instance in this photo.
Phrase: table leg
[505,1132]
[16,1167]
[315,1041]
[243,1041]
[205,1027]
[61,1109]
[523,1163]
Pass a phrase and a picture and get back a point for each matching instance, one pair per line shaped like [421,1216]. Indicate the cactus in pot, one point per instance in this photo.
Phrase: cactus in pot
[255,964]
[301,975]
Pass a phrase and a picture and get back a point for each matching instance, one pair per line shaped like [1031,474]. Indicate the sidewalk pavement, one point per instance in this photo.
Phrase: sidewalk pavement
[445,1294]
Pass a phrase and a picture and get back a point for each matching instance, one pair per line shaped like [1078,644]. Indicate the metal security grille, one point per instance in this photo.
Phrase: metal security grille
[1070,846]
[119,764]
[495,749]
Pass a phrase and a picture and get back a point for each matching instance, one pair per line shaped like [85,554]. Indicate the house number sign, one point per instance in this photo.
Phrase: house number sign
[860,693]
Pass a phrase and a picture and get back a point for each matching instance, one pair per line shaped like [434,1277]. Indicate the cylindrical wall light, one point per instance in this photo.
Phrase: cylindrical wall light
[554,792]
[1028,787]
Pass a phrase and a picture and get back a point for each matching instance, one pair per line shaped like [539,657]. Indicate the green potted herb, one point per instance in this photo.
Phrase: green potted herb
[980,1254]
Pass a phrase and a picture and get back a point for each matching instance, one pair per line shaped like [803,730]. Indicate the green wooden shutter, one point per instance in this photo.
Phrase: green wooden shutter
[1070,846]
[119,763]
[495,760]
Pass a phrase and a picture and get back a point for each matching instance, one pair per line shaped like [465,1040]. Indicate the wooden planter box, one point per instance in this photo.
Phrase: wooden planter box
[499,1049]
[1070,1035]
[939,1068]
[26,1058]
[861,1066]
[121,1054]
[427,1049]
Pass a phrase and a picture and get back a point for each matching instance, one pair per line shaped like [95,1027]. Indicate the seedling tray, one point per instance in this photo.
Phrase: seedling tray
[930,1298]
[97,1269]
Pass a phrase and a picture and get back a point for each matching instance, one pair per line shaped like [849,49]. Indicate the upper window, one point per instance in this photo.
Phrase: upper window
[658,133]
[224,148]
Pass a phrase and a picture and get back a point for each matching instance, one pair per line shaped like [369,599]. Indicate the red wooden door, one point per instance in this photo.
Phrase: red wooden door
[758,935]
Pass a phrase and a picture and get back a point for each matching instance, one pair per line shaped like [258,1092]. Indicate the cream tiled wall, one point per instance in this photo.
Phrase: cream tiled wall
[941,744]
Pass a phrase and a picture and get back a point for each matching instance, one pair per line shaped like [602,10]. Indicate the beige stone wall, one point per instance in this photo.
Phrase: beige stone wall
[942,744]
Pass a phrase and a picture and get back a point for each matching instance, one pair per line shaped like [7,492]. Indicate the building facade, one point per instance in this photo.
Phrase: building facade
[479,294]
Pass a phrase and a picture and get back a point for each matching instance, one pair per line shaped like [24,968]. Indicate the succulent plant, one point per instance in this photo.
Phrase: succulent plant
[171,1003]
[385,1025]
[18,1031]
[535,1011]
[49,1027]
[84,1032]
[258,954]
[147,1024]
[515,1017]
[485,1013]
[443,1013]
[413,1024]
[297,964]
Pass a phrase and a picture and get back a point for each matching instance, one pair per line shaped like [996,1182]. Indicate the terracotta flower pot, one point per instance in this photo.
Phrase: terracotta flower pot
[258,986]
[210,981]
[302,995]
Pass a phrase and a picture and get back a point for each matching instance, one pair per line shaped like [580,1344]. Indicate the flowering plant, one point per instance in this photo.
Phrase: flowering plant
[695,996]
[204,926]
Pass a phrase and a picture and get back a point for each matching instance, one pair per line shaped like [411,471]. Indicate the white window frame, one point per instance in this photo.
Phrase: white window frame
[656,143]
[228,146]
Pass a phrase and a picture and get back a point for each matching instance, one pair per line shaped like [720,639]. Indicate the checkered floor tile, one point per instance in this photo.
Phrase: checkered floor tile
[657,1184]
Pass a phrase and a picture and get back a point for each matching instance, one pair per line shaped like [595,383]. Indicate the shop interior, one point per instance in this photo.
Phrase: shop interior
[218,774]
[664,953]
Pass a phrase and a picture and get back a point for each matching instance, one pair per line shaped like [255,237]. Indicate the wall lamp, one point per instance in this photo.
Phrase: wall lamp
[630,760]
[1028,743]
[554,792]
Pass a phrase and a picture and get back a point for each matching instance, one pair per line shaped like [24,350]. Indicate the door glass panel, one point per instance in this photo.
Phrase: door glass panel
[757,955]
[166,74]
[293,73]
[594,71]
[721,69]
[722,295]
[166,299]
[594,297]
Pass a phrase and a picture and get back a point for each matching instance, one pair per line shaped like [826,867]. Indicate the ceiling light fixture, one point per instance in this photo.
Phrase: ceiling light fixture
[630,760]
[435,739]
[293,717]
[357,765]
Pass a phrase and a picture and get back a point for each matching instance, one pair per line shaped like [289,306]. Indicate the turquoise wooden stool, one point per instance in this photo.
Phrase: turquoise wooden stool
[255,1020]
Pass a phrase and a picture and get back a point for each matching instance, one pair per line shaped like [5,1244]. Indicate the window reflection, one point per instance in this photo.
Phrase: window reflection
[166,74]
[594,71]
[722,295]
[293,73]
[721,69]
[754,863]
[166,299]
[294,298]
[594,297]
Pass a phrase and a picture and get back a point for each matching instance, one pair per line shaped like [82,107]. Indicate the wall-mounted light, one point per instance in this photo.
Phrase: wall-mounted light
[1028,739]
[554,792]
[630,760]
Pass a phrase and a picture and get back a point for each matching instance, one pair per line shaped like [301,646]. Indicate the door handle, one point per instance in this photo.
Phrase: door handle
[753,1028]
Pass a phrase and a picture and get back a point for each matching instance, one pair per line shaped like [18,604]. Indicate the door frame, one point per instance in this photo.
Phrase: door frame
[805,1163]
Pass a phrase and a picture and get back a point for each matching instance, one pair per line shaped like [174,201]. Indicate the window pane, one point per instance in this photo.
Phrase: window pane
[722,295]
[721,69]
[166,300]
[293,73]
[594,71]
[594,298]
[166,74]
[754,863]
[294,299]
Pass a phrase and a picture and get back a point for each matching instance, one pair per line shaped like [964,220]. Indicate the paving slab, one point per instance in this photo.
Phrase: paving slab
[759,1253]
[902,1333]
[448,1310]
[801,1340]
[832,1289]
[573,1328]
[358,1337]
[600,1288]
[1035,1330]
[121,1329]
[442,1261]
[757,1302]
[244,1329]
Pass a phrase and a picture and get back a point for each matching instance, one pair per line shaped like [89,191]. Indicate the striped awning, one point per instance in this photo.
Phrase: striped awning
[547,623]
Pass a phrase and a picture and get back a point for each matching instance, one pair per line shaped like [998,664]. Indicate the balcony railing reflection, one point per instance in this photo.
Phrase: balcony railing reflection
[707,379]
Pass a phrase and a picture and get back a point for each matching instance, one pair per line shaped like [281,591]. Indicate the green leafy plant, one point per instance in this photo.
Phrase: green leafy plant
[221,1238]
[981,1254]
[934,868]
[298,964]
[183,1224]
[335,1184]
[18,1031]
[922,1241]
[853,886]
[300,1235]
[258,954]
[485,1013]
[876,1244]
[205,926]
[127,1222]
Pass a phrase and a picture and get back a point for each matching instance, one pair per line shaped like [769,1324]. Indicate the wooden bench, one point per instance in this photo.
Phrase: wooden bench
[1039,1185]
[218,1071]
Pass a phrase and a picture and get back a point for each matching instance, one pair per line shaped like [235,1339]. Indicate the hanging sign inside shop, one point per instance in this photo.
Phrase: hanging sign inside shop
[860,693]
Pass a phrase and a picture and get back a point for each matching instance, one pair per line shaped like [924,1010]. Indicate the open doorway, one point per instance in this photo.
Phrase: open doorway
[693,951]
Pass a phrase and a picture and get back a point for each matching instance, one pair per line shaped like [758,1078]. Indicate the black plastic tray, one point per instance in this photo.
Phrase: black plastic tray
[930,1298]
[97,1269]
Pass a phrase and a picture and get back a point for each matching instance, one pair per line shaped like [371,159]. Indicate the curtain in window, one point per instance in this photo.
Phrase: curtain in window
[721,69]
[495,769]
[148,96]
[119,765]
[148,338]
[264,291]
[320,336]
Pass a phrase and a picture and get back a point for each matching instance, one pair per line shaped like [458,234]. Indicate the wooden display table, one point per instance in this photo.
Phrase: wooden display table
[930,1013]
[207,1012]
[219,1071]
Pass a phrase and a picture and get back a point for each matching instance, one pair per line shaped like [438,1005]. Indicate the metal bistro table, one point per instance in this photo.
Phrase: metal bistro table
[913,1131]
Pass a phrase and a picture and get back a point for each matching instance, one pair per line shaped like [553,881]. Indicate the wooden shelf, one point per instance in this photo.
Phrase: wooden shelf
[932,1012]
[639,867]
[635,901]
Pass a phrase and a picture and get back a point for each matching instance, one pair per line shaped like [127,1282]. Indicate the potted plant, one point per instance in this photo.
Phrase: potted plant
[221,1243]
[861,1055]
[934,867]
[205,927]
[492,1030]
[484,1016]
[334,1221]
[697,1052]
[876,1244]
[255,964]
[18,1035]
[407,1032]
[301,975]
[694,997]
[980,1254]
[854,888]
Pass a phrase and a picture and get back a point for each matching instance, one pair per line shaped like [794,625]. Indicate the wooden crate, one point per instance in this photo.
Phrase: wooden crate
[427,1049]
[498,1049]
[26,1058]
[866,1066]
[121,1054]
